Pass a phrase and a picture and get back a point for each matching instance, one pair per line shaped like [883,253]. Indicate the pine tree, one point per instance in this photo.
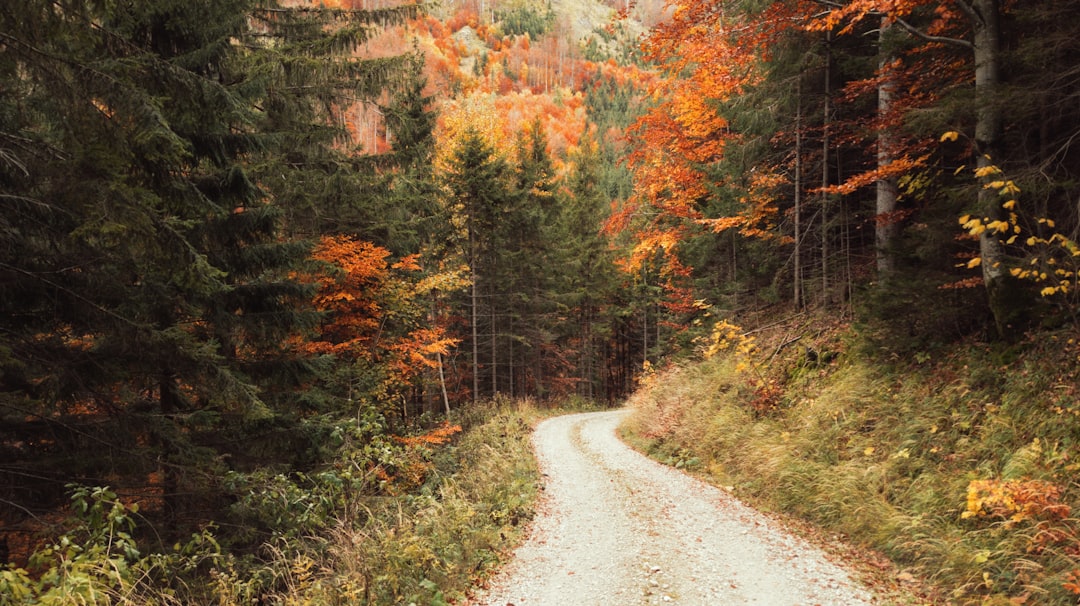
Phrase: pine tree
[478,189]
[587,273]
[149,153]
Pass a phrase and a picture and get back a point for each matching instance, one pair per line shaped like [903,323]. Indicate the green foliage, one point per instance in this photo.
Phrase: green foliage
[97,561]
[164,162]
[425,546]
[361,531]
[525,19]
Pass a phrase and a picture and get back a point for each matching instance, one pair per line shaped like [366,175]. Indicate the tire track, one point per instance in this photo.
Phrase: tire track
[616,528]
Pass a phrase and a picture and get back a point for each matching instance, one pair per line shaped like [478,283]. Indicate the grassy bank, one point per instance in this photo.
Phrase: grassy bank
[438,512]
[957,463]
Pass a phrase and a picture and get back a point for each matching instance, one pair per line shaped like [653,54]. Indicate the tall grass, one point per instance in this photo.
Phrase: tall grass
[429,546]
[959,468]
[423,535]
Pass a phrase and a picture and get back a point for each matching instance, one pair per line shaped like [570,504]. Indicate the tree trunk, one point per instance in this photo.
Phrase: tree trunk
[798,292]
[825,173]
[1006,302]
[494,353]
[475,317]
[442,386]
[886,229]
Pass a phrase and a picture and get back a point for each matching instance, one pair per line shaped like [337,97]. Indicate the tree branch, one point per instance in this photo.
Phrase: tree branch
[72,293]
[968,9]
[911,29]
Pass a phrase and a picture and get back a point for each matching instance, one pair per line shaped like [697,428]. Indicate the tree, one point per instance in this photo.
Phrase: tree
[478,189]
[587,272]
[150,153]
[983,41]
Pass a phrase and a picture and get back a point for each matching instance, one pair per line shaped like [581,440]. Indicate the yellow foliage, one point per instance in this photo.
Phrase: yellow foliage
[1015,501]
[727,336]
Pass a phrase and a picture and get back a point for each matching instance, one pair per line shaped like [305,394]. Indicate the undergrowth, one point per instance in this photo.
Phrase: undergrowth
[957,463]
[409,520]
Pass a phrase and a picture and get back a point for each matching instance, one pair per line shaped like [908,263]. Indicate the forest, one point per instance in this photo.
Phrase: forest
[272,272]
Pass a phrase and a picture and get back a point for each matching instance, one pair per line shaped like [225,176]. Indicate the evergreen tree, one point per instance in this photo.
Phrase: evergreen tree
[413,219]
[149,152]
[478,190]
[528,266]
[588,275]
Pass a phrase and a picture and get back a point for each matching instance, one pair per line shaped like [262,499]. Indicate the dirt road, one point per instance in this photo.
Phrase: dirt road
[618,529]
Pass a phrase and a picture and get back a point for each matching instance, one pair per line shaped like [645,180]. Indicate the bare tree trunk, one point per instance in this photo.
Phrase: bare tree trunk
[511,361]
[825,173]
[475,316]
[645,317]
[442,385]
[987,49]
[798,293]
[886,229]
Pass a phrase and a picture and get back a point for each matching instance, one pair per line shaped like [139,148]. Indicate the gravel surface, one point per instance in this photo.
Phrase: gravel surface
[616,528]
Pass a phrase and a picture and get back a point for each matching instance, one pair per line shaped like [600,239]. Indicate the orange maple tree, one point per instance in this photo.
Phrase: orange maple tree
[375,310]
[709,55]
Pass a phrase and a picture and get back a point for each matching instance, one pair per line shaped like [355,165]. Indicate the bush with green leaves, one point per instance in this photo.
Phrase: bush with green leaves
[98,561]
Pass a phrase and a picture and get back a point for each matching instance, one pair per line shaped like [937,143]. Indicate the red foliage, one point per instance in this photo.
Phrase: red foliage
[464,16]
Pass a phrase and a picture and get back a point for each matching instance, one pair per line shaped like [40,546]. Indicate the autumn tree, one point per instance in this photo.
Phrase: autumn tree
[152,153]
[375,323]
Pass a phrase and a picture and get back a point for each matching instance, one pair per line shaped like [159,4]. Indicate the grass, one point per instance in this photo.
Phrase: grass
[430,545]
[891,454]
[449,506]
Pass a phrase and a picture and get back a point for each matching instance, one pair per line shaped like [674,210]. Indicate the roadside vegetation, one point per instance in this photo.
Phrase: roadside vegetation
[409,520]
[956,462]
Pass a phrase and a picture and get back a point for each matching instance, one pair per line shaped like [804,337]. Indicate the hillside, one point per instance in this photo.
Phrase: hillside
[957,462]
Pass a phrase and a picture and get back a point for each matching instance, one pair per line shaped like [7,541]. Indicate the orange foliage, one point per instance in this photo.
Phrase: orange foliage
[1015,501]
[463,17]
[416,466]
[1035,502]
[709,57]
[435,437]
[499,119]
[370,309]
[346,293]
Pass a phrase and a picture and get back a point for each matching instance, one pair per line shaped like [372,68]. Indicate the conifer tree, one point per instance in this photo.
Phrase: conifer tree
[587,273]
[478,189]
[149,152]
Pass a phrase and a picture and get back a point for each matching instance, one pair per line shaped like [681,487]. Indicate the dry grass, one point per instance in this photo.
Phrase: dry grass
[884,453]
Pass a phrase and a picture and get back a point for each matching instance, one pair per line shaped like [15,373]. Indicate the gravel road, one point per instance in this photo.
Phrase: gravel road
[618,529]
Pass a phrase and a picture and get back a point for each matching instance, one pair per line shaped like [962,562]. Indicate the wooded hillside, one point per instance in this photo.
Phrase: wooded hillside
[249,246]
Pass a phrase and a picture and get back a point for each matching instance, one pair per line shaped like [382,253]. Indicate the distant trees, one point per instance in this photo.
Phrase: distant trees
[518,247]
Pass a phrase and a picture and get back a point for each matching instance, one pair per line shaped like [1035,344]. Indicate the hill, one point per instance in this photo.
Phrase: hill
[957,462]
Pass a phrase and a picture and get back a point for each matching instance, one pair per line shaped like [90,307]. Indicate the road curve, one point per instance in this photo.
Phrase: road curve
[618,529]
